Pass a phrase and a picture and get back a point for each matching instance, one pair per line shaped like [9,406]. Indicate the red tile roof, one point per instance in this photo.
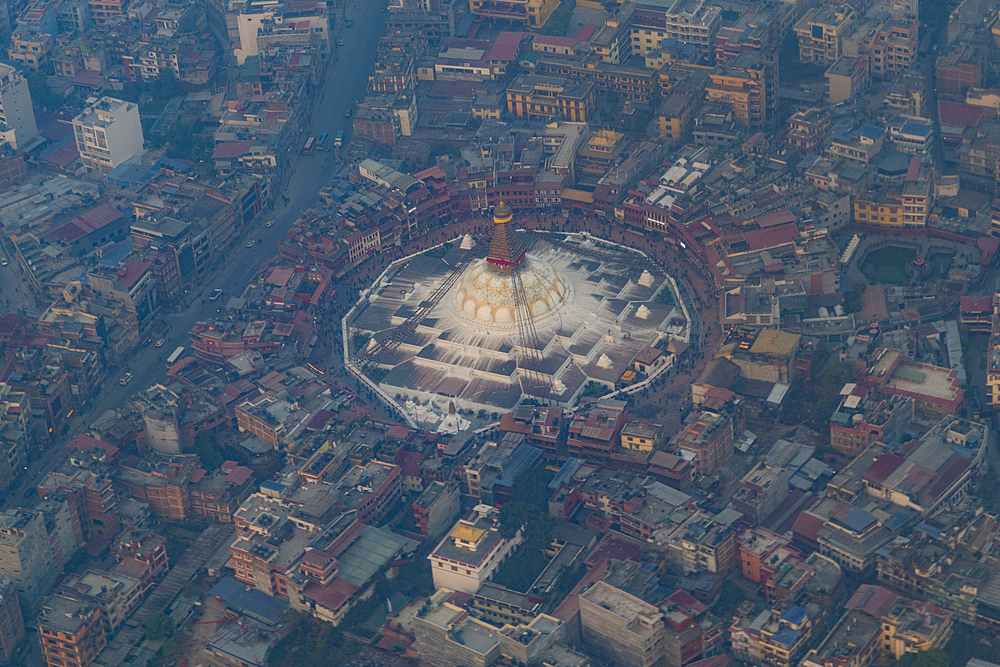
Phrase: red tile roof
[881,469]
[687,602]
[131,271]
[807,525]
[761,239]
[410,463]
[85,444]
[958,114]
[319,420]
[873,600]
[231,149]
[84,224]
[239,475]
[780,217]
[332,596]
[977,303]
[505,46]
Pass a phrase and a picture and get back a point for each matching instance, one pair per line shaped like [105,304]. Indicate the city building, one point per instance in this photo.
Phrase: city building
[216,495]
[108,132]
[435,508]
[70,632]
[820,33]
[17,116]
[690,21]
[807,129]
[11,620]
[707,437]
[594,434]
[748,85]
[547,97]
[470,554]
[533,13]
[862,420]
[26,555]
[116,596]
[641,435]
[620,627]
[704,543]
[761,491]
[847,77]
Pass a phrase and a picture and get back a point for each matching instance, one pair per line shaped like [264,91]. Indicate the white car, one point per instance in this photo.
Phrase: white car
[250,244]
[125,380]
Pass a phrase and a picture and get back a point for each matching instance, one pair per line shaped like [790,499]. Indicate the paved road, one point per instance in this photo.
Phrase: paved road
[343,85]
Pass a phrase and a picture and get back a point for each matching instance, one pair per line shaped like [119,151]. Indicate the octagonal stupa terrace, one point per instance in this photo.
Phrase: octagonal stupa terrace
[593,310]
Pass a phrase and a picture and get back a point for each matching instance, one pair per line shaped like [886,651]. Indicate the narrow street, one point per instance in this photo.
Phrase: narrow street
[343,85]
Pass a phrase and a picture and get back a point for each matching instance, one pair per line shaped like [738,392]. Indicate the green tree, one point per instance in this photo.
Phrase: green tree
[207,450]
[311,643]
[165,86]
[558,22]
[169,648]
[730,596]
[836,375]
[159,626]
[934,657]
[531,486]
[535,527]
[42,96]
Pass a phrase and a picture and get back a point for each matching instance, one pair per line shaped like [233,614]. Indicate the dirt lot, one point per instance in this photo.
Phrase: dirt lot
[193,637]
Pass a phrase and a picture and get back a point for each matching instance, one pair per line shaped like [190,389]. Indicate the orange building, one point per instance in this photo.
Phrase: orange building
[763,552]
[71,632]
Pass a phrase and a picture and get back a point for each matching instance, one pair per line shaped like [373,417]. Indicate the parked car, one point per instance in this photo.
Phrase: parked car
[216,293]
[125,380]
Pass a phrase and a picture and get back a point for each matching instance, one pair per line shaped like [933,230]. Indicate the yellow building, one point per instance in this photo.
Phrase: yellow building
[884,209]
[533,13]
[30,49]
[530,96]
[676,114]
[487,105]
[641,436]
[690,21]
[820,33]
[749,85]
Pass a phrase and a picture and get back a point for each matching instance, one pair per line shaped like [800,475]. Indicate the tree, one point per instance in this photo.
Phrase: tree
[169,648]
[311,643]
[42,96]
[158,627]
[531,486]
[535,527]
[836,375]
[730,596]
[208,451]
[934,657]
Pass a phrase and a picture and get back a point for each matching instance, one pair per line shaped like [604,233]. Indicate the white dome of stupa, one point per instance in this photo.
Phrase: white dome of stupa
[485,294]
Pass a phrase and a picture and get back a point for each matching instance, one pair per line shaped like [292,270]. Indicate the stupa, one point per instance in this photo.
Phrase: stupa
[508,284]
[536,323]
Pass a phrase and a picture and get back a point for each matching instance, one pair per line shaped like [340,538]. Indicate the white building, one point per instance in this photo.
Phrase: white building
[17,118]
[470,554]
[108,132]
[261,24]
